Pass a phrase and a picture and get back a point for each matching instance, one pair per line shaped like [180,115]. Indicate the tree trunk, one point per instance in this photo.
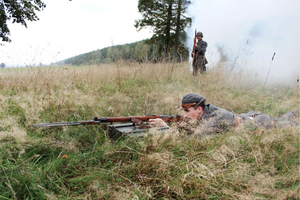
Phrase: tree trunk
[176,42]
[168,27]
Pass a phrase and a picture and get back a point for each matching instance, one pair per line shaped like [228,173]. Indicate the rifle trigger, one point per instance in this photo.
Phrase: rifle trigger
[137,121]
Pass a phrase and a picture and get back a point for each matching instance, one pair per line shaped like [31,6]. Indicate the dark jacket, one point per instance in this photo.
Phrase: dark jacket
[201,47]
[213,120]
[200,50]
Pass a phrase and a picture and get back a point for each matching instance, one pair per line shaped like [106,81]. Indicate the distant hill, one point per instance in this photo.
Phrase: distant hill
[139,51]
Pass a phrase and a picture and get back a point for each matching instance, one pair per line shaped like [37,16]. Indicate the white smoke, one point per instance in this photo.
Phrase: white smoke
[248,33]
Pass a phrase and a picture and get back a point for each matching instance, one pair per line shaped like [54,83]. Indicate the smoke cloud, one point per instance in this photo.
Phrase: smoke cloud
[258,37]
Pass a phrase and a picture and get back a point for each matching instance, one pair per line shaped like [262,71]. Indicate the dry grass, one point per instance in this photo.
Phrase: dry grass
[239,164]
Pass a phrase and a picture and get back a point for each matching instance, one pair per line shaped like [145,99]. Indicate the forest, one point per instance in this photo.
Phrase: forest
[139,52]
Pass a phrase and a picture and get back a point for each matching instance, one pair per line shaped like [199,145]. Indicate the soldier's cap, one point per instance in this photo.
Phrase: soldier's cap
[191,99]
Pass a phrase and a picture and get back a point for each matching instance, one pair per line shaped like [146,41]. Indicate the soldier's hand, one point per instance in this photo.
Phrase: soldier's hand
[182,124]
[158,122]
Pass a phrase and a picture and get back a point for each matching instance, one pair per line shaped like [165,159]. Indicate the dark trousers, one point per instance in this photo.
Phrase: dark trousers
[199,65]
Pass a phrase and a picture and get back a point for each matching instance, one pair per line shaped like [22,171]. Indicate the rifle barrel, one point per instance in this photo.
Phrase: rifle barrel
[59,124]
[166,118]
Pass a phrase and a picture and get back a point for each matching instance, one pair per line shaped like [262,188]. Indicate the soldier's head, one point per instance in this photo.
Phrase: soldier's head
[193,105]
[199,35]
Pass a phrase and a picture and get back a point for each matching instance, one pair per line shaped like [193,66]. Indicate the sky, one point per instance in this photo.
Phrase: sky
[69,28]
[249,32]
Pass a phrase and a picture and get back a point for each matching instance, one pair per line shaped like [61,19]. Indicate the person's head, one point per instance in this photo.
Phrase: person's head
[199,35]
[193,105]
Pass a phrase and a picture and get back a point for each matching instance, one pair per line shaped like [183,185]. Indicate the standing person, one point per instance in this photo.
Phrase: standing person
[200,49]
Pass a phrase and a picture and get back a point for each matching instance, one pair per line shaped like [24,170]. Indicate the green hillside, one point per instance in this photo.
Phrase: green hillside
[141,51]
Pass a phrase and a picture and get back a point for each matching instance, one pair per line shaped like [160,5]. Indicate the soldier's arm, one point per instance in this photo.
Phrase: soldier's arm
[201,47]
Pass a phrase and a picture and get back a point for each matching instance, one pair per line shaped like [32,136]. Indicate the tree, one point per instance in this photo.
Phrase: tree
[156,14]
[167,19]
[145,52]
[110,54]
[126,52]
[19,11]
[2,65]
[181,22]
[137,51]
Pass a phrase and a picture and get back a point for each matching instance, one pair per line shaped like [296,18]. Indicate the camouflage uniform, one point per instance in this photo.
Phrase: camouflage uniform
[200,60]
[216,120]
[258,119]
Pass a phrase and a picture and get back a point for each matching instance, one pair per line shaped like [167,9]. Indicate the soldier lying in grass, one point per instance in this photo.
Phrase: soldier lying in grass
[204,118]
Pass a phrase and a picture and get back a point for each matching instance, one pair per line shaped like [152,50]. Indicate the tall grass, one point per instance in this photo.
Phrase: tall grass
[83,163]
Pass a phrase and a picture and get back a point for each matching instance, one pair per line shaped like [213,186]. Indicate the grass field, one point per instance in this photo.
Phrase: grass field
[83,163]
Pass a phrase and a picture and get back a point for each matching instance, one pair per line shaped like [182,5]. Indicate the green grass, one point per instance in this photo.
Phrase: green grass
[83,163]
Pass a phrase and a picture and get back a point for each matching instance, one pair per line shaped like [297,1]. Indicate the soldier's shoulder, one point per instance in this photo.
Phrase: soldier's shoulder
[221,111]
[204,42]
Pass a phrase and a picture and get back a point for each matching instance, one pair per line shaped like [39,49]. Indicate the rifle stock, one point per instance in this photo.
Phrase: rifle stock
[194,48]
[136,120]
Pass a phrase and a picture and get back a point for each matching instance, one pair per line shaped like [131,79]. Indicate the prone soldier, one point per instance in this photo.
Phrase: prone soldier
[202,118]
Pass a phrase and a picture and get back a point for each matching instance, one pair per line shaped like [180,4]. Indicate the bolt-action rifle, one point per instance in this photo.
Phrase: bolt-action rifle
[137,121]
[194,48]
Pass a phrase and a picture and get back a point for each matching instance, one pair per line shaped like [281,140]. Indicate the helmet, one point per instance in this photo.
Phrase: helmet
[199,34]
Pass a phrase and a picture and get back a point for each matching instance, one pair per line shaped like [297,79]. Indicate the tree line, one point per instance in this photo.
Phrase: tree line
[140,51]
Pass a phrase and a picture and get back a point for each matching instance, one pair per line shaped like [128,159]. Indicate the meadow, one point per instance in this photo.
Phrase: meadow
[84,163]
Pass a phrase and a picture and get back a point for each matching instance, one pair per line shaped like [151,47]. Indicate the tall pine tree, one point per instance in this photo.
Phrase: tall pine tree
[167,19]
[181,22]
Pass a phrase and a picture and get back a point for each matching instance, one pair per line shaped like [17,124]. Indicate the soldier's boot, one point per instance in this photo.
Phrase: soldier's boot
[290,116]
[203,69]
